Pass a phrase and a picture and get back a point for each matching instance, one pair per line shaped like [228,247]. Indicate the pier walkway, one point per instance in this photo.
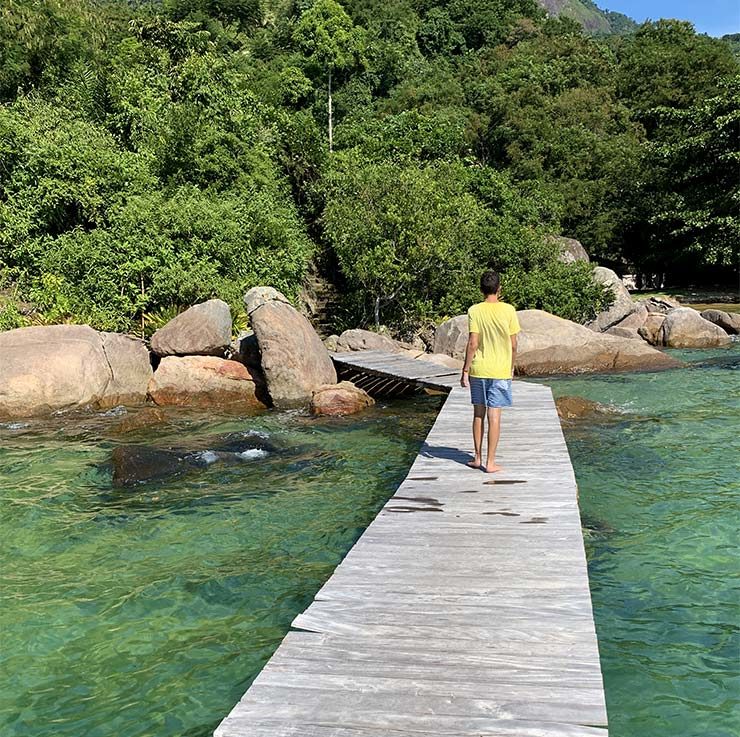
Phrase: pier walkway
[464,608]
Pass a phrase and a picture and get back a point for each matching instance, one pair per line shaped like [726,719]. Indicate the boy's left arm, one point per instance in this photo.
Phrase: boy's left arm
[513,353]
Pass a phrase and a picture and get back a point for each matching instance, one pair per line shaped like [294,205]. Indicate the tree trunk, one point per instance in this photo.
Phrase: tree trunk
[377,312]
[331,119]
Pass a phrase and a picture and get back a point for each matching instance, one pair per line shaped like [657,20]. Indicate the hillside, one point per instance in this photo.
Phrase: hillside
[595,20]
[158,154]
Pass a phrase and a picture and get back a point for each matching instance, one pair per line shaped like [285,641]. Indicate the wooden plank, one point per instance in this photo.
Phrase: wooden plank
[271,728]
[397,706]
[256,721]
[462,610]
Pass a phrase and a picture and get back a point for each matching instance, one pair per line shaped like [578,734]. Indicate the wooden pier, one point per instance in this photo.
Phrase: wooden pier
[462,611]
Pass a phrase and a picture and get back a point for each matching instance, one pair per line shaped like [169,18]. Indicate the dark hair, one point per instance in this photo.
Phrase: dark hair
[490,282]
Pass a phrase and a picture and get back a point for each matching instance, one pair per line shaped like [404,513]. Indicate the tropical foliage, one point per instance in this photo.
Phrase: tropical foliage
[153,154]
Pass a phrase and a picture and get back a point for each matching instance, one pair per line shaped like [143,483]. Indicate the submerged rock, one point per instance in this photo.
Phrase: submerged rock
[294,360]
[138,464]
[144,419]
[202,330]
[343,398]
[579,408]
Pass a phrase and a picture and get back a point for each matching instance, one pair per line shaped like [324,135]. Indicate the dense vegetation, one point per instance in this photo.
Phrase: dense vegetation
[156,154]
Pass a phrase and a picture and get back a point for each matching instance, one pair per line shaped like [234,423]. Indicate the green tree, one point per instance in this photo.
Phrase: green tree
[331,42]
[412,239]
[668,64]
[554,120]
[689,219]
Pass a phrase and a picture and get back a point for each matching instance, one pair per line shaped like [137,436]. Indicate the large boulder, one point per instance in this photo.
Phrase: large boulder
[451,337]
[571,250]
[205,381]
[552,345]
[366,340]
[635,320]
[728,321]
[202,330]
[258,296]
[343,398]
[650,329]
[622,306]
[684,327]
[131,370]
[441,359]
[620,332]
[294,360]
[49,368]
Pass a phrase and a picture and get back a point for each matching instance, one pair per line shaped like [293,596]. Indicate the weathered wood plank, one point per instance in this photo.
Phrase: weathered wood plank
[394,706]
[463,609]
[271,728]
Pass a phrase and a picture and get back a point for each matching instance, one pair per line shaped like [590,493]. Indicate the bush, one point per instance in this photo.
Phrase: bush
[89,233]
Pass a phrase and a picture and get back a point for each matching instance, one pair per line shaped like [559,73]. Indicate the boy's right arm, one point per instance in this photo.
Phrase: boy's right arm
[470,350]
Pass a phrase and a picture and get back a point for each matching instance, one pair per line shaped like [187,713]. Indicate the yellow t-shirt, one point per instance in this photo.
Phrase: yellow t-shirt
[495,323]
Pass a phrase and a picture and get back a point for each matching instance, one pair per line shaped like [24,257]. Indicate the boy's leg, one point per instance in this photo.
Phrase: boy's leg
[494,431]
[479,414]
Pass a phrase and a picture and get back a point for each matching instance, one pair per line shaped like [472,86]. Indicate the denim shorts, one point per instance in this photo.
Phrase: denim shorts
[490,392]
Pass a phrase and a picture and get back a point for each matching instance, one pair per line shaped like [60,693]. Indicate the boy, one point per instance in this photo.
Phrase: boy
[489,362]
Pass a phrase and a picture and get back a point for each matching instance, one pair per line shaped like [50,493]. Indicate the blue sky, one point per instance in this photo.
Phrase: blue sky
[715,17]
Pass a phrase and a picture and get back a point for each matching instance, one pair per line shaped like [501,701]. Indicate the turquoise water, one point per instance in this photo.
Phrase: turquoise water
[659,492]
[149,610]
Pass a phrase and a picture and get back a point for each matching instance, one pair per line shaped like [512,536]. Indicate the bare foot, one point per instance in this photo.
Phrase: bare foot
[491,468]
[475,463]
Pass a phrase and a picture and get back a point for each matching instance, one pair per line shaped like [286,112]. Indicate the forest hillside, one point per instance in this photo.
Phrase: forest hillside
[153,155]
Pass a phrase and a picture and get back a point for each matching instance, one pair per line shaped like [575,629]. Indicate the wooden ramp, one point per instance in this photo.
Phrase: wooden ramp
[392,374]
[463,610]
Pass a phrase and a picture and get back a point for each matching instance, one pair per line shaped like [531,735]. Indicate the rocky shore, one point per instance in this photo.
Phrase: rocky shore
[281,362]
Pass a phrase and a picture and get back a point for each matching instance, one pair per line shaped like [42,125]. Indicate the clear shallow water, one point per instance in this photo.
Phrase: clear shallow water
[149,610]
[659,494]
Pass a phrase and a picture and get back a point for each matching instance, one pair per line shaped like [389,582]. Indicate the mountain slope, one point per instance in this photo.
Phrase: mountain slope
[590,16]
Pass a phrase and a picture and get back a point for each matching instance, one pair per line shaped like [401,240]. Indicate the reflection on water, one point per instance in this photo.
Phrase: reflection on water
[659,492]
[147,609]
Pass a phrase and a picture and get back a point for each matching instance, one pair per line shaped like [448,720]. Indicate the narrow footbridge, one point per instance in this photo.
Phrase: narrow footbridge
[464,608]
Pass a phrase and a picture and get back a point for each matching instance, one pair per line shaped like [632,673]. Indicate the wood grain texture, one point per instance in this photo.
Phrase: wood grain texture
[464,608]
